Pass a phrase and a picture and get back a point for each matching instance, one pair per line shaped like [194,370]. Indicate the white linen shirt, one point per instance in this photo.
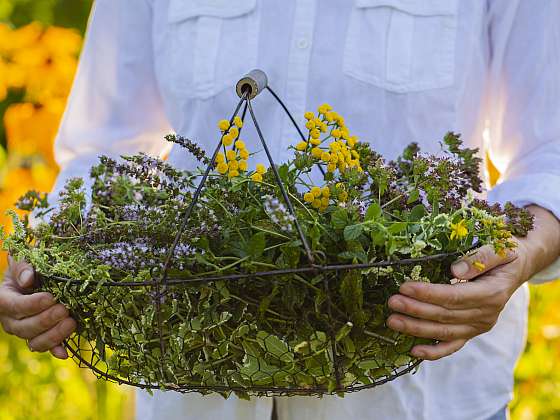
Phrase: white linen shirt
[398,70]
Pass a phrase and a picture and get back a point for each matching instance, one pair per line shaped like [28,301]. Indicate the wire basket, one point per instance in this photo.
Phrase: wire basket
[273,364]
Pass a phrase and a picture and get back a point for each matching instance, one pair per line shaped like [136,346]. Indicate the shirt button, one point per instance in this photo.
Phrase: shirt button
[303,43]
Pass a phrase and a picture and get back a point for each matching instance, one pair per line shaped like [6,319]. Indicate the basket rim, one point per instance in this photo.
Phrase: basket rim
[171,281]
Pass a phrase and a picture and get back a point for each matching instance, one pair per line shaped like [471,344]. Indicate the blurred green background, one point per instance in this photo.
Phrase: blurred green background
[37,62]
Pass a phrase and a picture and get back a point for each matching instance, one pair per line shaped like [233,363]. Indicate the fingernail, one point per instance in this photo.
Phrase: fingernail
[408,289]
[60,353]
[26,278]
[46,302]
[419,353]
[396,324]
[396,304]
[59,313]
[460,268]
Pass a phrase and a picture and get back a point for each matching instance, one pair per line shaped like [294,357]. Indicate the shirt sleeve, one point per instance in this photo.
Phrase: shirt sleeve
[114,107]
[524,103]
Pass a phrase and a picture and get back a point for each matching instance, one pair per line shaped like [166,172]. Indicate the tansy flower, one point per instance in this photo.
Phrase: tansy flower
[315,142]
[310,124]
[325,191]
[334,146]
[316,152]
[231,155]
[222,167]
[233,165]
[220,157]
[227,140]
[316,203]
[316,191]
[459,230]
[240,144]
[234,131]
[336,133]
[301,146]
[256,177]
[325,156]
[238,121]
[244,154]
[309,197]
[324,108]
[243,165]
[324,201]
[331,167]
[309,115]
[233,173]
[260,168]
[315,133]
[223,125]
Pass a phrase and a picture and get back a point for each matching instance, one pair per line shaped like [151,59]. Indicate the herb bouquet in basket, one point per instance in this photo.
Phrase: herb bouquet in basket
[257,281]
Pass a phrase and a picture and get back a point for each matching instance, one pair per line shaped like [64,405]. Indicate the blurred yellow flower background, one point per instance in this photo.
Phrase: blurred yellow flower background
[37,64]
[40,63]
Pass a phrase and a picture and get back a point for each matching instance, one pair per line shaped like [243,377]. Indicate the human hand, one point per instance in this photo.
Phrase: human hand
[35,317]
[455,313]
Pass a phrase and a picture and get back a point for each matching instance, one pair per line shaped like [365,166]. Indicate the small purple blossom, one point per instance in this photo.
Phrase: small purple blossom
[278,213]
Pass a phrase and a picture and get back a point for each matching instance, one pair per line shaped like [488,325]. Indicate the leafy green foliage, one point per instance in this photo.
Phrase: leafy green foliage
[306,329]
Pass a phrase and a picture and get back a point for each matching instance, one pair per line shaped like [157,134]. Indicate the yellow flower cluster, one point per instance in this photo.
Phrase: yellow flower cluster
[321,197]
[340,153]
[318,197]
[233,161]
[259,172]
[503,237]
[40,60]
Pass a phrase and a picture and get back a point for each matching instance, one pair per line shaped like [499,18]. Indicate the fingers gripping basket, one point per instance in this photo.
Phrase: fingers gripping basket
[219,332]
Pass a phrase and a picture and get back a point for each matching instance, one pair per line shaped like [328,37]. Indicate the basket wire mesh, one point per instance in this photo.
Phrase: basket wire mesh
[323,355]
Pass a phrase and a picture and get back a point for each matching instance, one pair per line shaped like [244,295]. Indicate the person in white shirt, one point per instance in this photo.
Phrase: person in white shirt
[399,71]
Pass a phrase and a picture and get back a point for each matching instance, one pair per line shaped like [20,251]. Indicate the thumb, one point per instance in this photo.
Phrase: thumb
[22,273]
[481,261]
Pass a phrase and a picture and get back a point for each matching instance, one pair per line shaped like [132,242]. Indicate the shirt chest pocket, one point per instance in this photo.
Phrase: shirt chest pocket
[402,45]
[212,43]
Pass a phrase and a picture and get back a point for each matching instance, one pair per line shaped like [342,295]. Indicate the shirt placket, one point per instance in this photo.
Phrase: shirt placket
[295,95]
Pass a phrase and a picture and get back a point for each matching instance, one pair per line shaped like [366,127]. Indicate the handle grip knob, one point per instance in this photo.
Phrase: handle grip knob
[253,82]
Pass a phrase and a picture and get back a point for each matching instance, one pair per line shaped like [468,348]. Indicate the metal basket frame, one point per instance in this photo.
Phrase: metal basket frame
[247,88]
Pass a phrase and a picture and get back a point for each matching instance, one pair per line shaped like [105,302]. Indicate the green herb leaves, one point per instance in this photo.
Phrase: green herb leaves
[301,331]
